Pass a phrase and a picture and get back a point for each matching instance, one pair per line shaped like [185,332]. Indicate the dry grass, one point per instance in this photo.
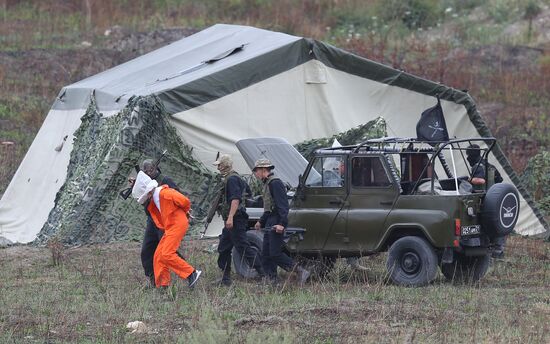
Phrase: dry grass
[99,289]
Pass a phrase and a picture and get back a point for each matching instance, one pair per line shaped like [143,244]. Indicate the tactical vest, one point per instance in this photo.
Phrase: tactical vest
[267,198]
[226,206]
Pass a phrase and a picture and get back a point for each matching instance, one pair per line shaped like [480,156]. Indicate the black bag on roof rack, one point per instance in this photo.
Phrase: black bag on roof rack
[432,126]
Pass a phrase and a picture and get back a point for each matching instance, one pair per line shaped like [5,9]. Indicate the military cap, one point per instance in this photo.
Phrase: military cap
[263,163]
[224,160]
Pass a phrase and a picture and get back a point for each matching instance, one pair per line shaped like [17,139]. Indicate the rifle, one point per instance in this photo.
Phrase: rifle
[213,206]
[212,211]
[288,232]
[128,191]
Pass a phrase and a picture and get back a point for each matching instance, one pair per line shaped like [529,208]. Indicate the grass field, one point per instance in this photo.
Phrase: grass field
[92,292]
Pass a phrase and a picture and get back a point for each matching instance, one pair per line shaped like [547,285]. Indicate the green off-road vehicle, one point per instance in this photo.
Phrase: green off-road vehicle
[411,198]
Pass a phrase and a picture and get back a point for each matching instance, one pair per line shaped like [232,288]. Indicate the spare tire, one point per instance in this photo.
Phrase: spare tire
[500,210]
[242,267]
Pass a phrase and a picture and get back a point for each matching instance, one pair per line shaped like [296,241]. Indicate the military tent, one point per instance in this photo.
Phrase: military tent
[205,92]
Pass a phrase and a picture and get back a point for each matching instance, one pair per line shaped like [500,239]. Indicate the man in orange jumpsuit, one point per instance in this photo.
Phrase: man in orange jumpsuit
[169,210]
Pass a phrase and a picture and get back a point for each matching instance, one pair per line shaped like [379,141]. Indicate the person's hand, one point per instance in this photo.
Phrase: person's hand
[257,226]
[279,229]
[131,181]
[229,223]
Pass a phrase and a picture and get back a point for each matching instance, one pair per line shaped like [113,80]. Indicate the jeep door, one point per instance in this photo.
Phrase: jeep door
[373,193]
[317,207]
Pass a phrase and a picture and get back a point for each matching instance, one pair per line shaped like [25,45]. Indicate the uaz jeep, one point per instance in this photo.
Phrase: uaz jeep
[411,198]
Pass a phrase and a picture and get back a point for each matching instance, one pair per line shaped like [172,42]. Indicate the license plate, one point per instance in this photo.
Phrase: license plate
[470,230]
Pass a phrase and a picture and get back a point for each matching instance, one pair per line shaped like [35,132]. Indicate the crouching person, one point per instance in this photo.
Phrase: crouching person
[274,220]
[169,210]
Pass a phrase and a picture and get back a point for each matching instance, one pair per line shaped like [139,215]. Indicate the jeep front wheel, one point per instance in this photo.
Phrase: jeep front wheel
[466,269]
[411,262]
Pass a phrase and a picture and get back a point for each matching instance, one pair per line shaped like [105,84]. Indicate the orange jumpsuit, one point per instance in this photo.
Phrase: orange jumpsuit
[172,219]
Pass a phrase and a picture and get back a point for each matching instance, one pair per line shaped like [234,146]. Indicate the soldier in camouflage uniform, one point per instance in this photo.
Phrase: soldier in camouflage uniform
[235,218]
[274,220]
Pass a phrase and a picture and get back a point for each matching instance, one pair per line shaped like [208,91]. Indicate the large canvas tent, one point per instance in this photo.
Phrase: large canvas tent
[220,85]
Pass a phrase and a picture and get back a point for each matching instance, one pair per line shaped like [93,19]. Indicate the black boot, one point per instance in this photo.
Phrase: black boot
[260,271]
[225,280]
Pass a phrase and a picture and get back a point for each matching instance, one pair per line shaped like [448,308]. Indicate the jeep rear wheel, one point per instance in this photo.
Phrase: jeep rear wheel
[242,267]
[411,262]
[466,269]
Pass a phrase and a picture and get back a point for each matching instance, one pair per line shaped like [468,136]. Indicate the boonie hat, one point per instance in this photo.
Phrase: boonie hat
[263,163]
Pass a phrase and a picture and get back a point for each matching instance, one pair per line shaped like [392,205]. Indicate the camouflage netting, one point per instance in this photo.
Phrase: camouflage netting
[88,208]
[537,179]
[370,130]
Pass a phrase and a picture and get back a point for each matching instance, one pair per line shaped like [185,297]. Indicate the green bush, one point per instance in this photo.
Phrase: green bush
[463,5]
[502,11]
[414,13]
[476,35]
[5,112]
[537,179]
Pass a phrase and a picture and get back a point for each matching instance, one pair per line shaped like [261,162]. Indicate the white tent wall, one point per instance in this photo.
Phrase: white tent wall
[286,105]
[291,106]
[30,196]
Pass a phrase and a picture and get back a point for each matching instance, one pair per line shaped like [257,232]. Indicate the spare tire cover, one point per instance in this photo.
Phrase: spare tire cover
[500,209]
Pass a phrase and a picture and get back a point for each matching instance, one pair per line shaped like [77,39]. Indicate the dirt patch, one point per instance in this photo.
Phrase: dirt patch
[23,254]
[120,39]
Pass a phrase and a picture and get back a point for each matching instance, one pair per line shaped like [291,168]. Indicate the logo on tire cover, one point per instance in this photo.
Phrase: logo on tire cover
[508,210]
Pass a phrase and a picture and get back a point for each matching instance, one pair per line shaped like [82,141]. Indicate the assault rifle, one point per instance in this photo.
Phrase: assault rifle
[288,232]
[212,211]
[128,191]
[213,206]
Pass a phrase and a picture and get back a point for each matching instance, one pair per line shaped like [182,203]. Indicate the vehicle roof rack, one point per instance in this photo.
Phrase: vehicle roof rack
[406,145]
